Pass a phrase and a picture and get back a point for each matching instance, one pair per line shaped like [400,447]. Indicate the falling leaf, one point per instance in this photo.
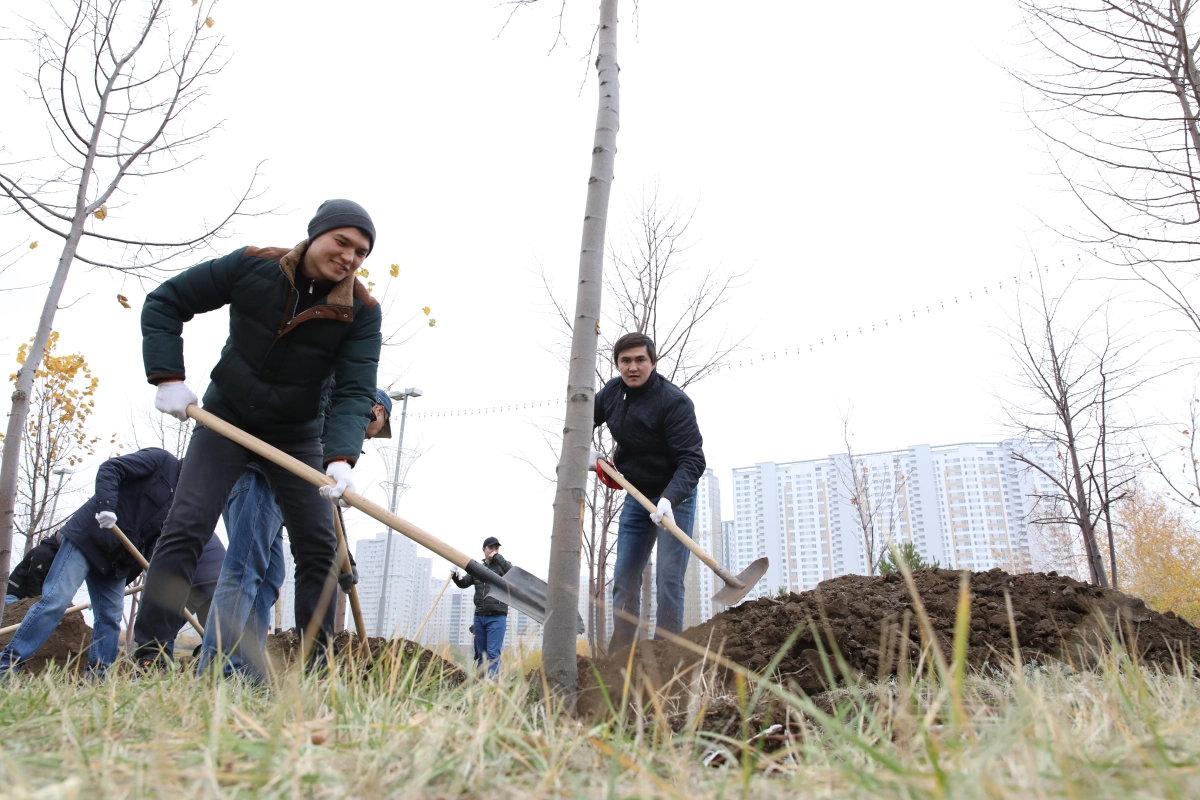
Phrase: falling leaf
[395,270]
[123,300]
[209,21]
[432,323]
[33,245]
[101,212]
[426,310]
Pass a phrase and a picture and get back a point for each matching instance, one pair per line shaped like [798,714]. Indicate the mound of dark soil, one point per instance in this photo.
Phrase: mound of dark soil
[71,638]
[284,648]
[871,622]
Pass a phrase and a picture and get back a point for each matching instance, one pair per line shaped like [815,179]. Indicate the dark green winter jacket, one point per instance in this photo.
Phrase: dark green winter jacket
[276,365]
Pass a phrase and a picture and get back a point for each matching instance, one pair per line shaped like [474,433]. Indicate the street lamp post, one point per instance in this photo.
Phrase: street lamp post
[387,547]
[60,472]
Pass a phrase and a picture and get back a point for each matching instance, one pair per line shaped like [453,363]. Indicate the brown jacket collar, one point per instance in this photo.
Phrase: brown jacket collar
[343,292]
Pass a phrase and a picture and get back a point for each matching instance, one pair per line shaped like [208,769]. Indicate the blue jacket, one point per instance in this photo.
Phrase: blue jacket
[659,447]
[139,488]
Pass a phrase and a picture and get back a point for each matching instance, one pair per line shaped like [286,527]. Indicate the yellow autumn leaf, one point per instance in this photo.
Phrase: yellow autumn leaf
[395,270]
[426,310]
[209,21]
[101,212]
[124,301]
[33,245]
[362,273]
[432,323]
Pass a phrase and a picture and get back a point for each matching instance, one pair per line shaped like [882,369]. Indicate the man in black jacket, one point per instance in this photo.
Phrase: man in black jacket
[135,491]
[491,615]
[660,451]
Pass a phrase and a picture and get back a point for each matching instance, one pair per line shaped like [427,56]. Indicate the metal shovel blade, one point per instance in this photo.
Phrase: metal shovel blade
[519,589]
[730,595]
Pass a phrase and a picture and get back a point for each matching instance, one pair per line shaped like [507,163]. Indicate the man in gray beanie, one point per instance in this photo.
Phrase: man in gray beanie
[302,355]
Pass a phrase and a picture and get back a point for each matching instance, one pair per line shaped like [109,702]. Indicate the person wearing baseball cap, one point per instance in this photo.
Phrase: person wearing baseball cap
[298,371]
[491,615]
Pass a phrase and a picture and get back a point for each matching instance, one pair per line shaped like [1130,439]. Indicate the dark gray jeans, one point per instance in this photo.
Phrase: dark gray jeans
[211,467]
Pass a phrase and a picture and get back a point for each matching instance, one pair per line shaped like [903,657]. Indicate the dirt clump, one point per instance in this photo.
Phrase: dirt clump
[71,638]
[284,648]
[871,622]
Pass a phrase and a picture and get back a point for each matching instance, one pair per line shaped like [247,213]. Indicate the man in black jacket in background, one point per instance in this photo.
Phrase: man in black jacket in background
[660,451]
[491,615]
[27,579]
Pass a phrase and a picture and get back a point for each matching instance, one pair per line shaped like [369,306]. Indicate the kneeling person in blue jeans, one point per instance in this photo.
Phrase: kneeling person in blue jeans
[491,616]
[136,489]
[660,451]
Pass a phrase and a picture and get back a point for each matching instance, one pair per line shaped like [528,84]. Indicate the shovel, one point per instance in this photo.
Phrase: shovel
[737,586]
[518,588]
[141,559]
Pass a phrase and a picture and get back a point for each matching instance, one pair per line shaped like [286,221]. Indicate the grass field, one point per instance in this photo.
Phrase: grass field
[1116,731]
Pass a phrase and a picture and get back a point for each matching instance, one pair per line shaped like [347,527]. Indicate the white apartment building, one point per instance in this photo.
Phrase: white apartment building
[706,528]
[407,597]
[965,505]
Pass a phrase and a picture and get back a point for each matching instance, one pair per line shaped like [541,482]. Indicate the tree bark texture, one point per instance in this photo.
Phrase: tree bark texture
[562,597]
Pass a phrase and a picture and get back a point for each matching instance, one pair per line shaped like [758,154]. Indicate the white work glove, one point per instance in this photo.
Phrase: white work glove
[341,472]
[173,397]
[664,512]
[106,519]
[593,457]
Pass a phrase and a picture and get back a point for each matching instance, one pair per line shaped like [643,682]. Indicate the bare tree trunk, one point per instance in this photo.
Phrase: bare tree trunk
[593,563]
[10,465]
[602,583]
[647,599]
[562,598]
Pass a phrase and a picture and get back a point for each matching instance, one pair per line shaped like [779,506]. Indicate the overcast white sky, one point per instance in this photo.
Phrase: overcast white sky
[862,162]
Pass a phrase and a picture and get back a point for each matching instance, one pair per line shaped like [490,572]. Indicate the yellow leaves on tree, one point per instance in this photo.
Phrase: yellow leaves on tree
[56,435]
[395,271]
[33,245]
[1158,553]
[101,212]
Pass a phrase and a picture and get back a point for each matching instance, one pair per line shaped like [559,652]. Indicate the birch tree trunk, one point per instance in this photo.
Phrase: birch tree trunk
[562,597]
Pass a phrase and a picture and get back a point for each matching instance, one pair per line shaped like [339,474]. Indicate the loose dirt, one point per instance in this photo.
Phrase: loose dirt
[71,638]
[284,648]
[871,622]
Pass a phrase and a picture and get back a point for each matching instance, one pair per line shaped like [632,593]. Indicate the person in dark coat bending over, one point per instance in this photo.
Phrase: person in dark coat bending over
[660,451]
[491,615]
[301,357]
[134,492]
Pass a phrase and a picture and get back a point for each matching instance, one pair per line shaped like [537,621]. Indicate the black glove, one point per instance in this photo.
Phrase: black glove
[348,579]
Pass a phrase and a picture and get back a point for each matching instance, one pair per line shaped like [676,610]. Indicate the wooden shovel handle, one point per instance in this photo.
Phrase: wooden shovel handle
[141,559]
[360,624]
[317,478]
[670,525]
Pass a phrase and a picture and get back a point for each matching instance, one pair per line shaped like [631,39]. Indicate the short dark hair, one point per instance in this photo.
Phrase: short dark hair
[632,340]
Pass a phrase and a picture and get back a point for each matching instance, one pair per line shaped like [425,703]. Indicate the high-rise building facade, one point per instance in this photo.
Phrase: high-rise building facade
[407,597]
[698,580]
[964,505]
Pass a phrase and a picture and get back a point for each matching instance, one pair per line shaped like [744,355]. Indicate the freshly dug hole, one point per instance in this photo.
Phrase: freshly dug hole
[862,617]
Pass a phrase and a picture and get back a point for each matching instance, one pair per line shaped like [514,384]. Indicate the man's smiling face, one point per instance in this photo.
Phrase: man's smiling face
[336,254]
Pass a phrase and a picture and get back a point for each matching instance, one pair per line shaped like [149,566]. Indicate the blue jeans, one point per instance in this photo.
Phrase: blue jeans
[489,639]
[9,599]
[68,572]
[251,576]
[636,536]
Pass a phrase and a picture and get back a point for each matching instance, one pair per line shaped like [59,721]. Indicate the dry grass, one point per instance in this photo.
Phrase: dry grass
[1119,731]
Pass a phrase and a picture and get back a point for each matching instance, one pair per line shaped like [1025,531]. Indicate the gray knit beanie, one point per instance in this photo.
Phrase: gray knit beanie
[335,214]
